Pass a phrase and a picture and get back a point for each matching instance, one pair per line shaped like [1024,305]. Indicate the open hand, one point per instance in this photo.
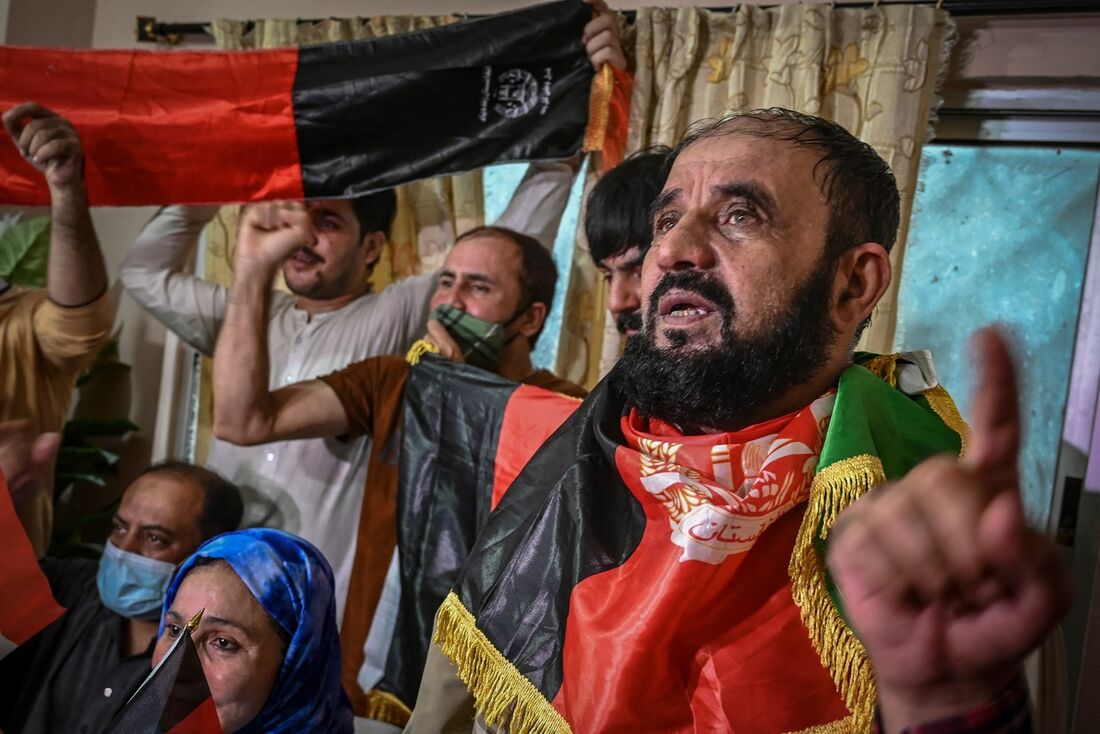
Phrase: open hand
[270,232]
[601,37]
[940,576]
[49,142]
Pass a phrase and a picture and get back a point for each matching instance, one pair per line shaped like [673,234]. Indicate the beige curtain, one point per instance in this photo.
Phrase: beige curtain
[429,213]
[872,70]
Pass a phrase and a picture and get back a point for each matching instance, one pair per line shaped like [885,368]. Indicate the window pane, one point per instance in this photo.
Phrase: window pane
[1001,234]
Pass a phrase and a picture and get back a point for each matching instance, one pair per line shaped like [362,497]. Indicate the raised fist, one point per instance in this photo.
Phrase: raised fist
[271,232]
[49,142]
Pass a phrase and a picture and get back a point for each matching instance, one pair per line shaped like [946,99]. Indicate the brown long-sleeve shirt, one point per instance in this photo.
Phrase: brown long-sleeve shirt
[43,348]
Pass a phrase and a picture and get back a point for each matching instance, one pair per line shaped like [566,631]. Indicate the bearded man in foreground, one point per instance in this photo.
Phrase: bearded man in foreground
[747,527]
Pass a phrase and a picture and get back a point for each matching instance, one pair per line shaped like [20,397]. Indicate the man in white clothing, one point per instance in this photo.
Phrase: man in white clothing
[313,487]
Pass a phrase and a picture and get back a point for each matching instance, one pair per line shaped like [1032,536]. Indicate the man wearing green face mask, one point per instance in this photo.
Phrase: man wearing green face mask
[77,673]
[491,300]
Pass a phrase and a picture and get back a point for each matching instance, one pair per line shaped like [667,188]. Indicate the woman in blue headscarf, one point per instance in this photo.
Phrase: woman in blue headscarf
[268,640]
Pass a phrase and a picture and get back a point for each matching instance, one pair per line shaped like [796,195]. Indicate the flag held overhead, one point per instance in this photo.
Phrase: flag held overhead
[326,121]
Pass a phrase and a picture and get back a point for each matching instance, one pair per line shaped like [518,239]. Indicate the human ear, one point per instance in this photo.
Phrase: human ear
[531,320]
[372,247]
[862,277]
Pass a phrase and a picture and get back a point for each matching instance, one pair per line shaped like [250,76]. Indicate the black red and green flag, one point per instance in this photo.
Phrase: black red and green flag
[326,121]
[175,698]
[27,605]
[577,612]
[467,433]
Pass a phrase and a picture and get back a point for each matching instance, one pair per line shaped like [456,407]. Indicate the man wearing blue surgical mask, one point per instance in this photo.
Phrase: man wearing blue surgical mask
[77,673]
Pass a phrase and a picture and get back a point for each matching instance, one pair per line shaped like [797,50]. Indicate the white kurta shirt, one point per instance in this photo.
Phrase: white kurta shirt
[310,487]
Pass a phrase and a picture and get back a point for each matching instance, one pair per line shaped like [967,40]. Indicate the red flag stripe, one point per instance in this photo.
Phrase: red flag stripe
[182,127]
[532,414]
[202,720]
[27,605]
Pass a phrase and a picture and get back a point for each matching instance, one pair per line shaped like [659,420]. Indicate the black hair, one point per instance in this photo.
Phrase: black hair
[616,218]
[859,187]
[538,275]
[222,507]
[375,212]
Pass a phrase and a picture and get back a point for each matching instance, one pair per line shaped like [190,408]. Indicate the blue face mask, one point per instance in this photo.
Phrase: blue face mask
[131,585]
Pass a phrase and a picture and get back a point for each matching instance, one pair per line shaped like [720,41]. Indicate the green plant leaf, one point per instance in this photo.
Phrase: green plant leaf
[80,428]
[92,454]
[64,478]
[24,251]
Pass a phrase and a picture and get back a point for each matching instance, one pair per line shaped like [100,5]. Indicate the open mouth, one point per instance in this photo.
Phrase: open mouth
[682,305]
[306,256]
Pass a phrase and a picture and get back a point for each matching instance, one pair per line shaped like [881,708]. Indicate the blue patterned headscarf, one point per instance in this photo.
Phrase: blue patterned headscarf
[293,583]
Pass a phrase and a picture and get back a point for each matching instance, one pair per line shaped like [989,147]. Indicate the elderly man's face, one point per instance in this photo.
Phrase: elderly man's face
[737,290]
[160,516]
[747,216]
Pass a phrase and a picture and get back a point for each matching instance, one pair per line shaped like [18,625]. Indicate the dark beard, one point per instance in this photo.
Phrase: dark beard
[727,386]
[629,321]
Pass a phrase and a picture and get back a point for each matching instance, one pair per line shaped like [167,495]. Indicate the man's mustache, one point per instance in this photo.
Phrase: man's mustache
[632,321]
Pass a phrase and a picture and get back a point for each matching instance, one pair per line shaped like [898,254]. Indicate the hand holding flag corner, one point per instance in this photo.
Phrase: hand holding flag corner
[175,698]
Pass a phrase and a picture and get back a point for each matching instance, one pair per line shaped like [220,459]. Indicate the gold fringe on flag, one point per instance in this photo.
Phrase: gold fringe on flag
[847,725]
[608,115]
[419,348]
[599,108]
[943,406]
[834,488]
[503,696]
[884,367]
[387,708]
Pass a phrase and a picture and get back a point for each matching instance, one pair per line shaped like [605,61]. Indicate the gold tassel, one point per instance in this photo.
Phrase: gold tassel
[847,725]
[599,109]
[387,708]
[503,696]
[884,367]
[419,348]
[834,489]
[943,406]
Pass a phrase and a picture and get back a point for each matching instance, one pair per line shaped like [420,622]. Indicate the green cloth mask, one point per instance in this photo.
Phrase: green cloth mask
[482,342]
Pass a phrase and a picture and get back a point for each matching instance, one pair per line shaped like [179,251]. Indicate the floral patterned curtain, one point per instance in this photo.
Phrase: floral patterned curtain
[429,213]
[872,70]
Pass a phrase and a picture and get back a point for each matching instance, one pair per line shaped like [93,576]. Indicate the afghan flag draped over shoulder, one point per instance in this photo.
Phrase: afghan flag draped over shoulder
[174,698]
[467,433]
[326,121]
[27,605]
[582,609]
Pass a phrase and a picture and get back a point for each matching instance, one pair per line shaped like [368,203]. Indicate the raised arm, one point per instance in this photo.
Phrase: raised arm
[154,274]
[245,410]
[74,321]
[77,275]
